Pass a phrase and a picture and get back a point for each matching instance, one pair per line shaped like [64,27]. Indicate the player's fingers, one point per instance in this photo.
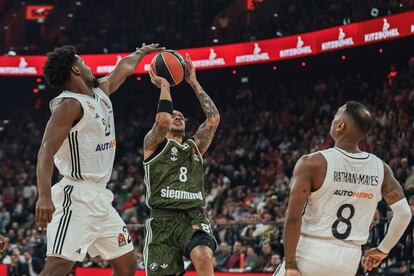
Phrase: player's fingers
[49,215]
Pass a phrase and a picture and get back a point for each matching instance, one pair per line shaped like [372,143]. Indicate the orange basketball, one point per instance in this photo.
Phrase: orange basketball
[170,65]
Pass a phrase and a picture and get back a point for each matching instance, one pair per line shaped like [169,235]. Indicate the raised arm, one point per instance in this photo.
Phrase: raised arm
[125,68]
[163,118]
[205,133]
[64,116]
[394,196]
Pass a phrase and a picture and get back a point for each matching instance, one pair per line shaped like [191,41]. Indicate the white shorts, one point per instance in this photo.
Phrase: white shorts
[85,222]
[321,258]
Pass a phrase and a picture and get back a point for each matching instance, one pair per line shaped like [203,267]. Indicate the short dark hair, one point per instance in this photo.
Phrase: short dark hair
[58,65]
[361,115]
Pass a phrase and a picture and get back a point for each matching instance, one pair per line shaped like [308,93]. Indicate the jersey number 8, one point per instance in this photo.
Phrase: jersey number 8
[342,236]
[183,174]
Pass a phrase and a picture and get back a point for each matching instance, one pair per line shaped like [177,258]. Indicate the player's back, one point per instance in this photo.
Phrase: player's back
[342,210]
[87,154]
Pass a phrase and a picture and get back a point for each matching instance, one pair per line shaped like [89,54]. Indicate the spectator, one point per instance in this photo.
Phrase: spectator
[222,256]
[266,256]
[274,263]
[234,259]
[251,261]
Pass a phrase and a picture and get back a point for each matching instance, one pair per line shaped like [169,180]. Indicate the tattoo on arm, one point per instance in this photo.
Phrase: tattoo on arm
[208,106]
[154,137]
[391,189]
[204,136]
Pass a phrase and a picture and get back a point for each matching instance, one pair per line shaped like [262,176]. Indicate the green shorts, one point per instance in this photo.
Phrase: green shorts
[167,236]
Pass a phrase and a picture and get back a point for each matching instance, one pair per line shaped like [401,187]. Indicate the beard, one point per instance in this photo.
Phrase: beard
[177,130]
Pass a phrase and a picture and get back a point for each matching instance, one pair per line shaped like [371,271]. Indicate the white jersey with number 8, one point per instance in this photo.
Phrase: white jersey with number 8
[342,210]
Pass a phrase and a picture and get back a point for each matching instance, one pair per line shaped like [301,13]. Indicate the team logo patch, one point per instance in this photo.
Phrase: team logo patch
[153,267]
[121,240]
[195,156]
[174,153]
[90,105]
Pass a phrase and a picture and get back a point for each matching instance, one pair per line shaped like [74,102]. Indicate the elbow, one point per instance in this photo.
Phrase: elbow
[164,120]
[215,121]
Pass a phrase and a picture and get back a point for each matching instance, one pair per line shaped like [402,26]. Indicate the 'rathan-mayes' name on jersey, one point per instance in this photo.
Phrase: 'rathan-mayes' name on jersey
[177,194]
[356,178]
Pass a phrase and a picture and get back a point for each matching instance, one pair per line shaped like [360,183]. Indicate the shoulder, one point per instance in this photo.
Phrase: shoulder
[312,160]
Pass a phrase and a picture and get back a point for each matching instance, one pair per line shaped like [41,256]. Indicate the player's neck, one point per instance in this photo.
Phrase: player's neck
[347,146]
[175,136]
[79,87]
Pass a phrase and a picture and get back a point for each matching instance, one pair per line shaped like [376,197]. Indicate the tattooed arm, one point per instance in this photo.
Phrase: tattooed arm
[205,133]
[163,119]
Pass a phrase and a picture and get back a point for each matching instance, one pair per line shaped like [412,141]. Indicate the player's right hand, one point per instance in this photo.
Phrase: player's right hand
[157,80]
[372,258]
[292,272]
[44,211]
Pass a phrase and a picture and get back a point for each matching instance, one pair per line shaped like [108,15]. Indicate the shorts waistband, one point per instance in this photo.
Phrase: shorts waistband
[349,244]
[82,183]
[165,212]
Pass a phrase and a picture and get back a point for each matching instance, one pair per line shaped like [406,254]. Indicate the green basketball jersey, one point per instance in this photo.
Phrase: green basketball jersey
[174,178]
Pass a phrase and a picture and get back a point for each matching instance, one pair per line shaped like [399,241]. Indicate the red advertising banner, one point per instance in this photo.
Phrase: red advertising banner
[3,270]
[336,38]
[38,12]
[108,272]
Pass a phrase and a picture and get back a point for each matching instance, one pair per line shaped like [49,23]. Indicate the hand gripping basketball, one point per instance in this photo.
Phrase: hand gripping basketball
[3,243]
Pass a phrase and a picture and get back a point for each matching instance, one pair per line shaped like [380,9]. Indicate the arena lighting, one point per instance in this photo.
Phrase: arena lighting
[215,40]
[343,57]
[139,78]
[213,28]
[234,72]
[35,90]
[38,80]
[380,50]
[303,64]
[274,68]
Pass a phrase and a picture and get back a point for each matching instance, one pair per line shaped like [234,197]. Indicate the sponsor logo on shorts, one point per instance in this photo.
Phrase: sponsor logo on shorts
[121,240]
[354,194]
[153,267]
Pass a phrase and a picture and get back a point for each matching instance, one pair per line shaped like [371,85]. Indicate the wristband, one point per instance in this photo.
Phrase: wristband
[165,106]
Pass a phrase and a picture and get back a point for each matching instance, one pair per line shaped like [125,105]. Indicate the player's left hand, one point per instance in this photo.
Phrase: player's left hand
[150,48]
[190,74]
[372,258]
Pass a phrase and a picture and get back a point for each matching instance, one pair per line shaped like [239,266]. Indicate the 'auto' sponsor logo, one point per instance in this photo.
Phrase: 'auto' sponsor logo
[353,194]
[106,146]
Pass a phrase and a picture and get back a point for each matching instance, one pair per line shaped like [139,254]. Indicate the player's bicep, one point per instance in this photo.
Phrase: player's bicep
[391,189]
[301,187]
[63,118]
[153,139]
[204,136]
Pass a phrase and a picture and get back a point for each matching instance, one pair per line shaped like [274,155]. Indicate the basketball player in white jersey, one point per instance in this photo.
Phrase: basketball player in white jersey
[80,140]
[332,203]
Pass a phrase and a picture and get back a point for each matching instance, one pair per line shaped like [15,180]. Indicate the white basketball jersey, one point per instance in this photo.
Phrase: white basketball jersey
[343,208]
[88,152]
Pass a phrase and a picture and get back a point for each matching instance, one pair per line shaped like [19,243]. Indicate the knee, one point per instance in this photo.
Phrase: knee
[202,256]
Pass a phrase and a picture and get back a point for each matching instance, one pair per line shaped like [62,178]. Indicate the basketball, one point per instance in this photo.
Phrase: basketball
[170,65]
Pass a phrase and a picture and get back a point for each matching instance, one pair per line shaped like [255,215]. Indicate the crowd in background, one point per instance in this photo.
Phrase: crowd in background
[97,26]
[264,129]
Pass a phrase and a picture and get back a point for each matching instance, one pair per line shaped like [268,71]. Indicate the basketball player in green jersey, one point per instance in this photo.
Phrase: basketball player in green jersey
[174,179]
